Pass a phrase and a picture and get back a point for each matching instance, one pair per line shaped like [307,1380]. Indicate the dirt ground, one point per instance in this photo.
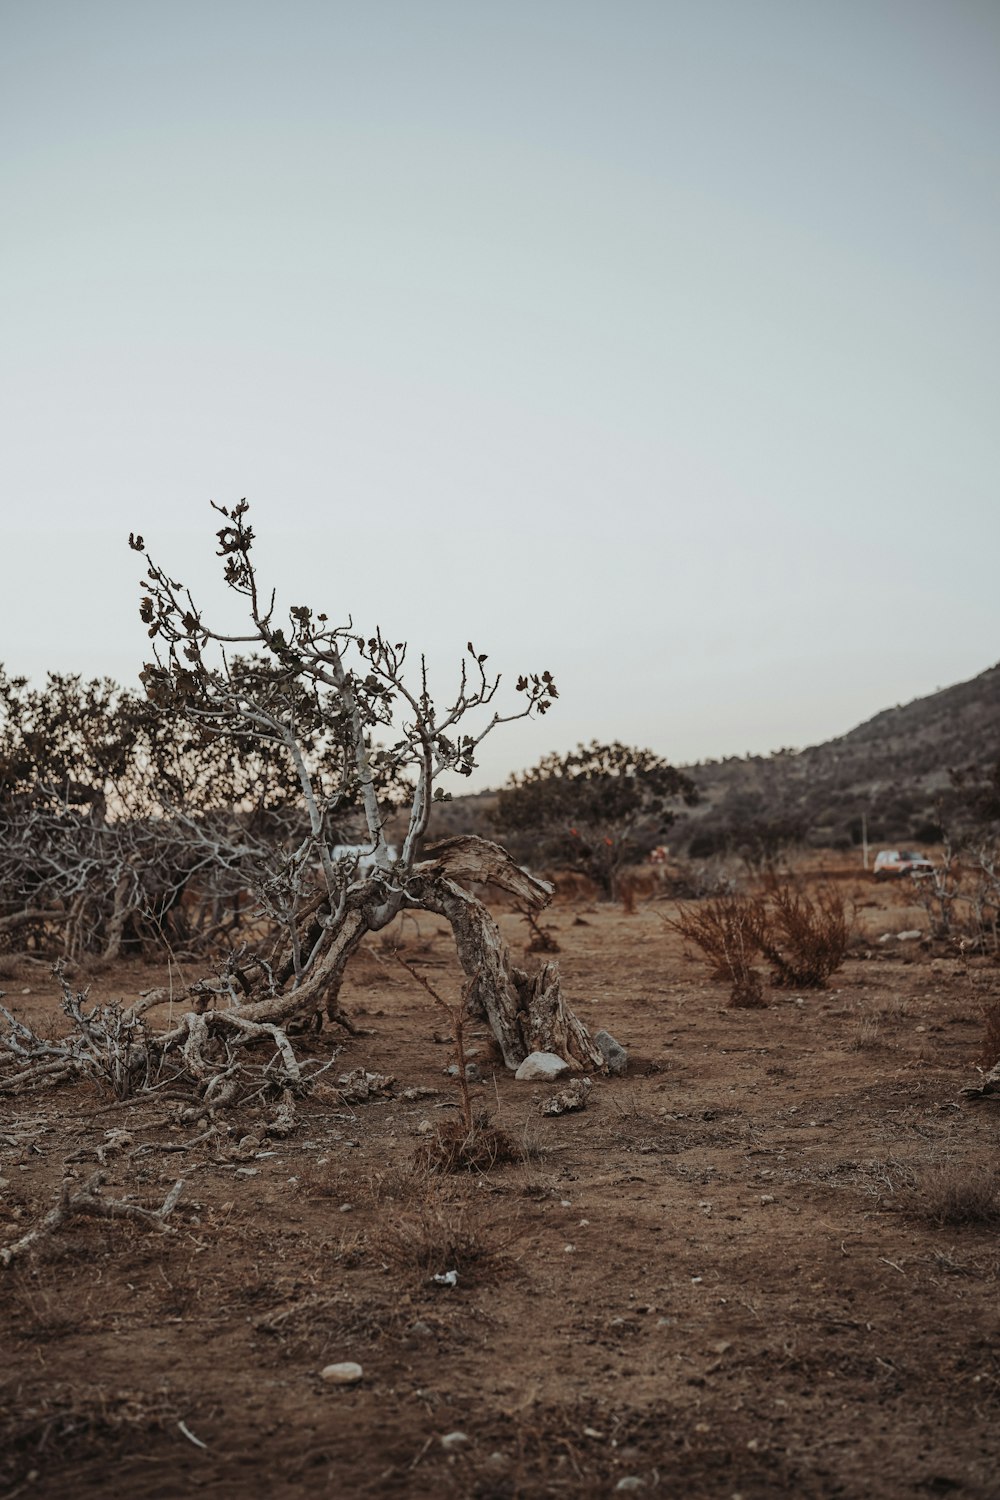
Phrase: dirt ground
[738,1272]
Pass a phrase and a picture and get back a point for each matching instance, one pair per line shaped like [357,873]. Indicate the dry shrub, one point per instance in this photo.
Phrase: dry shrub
[804,938]
[991,1033]
[728,929]
[443,1230]
[957,1196]
[458,1147]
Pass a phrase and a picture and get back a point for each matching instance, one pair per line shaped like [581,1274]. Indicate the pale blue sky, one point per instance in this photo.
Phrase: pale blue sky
[654,344]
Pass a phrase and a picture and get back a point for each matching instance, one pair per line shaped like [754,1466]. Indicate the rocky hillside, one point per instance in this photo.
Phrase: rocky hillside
[894,769]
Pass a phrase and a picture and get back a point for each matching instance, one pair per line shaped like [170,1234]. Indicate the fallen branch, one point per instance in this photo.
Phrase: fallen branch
[85,1201]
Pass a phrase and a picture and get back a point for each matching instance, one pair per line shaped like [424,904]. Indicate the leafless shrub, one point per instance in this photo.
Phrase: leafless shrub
[960,1196]
[471,1143]
[804,938]
[728,929]
[541,939]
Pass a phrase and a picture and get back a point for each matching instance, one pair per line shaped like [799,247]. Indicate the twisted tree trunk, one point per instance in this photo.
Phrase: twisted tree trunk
[525,1013]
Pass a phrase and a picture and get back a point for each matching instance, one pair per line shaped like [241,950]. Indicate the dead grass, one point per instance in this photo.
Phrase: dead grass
[430,1228]
[960,1196]
[476,1148]
[866,1035]
[74,1424]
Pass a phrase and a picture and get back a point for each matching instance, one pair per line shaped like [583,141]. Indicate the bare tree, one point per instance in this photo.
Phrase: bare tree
[361,737]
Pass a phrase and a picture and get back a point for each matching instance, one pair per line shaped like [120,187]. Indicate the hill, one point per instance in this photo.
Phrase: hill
[894,769]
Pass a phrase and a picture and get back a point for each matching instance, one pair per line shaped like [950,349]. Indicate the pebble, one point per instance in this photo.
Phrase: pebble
[631,1482]
[347,1373]
[454,1439]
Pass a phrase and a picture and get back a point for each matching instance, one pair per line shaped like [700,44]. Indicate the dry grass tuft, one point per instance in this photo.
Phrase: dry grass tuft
[866,1035]
[442,1231]
[476,1148]
[955,1196]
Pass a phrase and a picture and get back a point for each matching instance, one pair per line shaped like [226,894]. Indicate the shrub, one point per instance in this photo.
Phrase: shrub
[804,938]
[729,931]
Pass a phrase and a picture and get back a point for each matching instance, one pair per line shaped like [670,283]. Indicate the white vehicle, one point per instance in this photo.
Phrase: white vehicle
[890,864]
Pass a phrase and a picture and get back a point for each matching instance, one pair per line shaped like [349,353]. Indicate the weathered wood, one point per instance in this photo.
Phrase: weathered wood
[525,1013]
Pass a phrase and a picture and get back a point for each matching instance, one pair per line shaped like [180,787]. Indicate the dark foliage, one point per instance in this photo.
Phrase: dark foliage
[593,809]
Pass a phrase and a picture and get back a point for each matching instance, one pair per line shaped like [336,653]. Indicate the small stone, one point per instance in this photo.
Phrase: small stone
[420,1329]
[614,1054]
[631,1482]
[347,1373]
[541,1067]
[454,1440]
[913,935]
[766,1198]
[425,1127]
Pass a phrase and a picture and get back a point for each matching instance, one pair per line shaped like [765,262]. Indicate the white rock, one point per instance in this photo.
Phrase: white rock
[454,1439]
[541,1067]
[911,936]
[630,1482]
[347,1373]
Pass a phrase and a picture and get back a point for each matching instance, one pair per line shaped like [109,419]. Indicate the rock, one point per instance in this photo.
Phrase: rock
[614,1054]
[541,1067]
[472,1072]
[631,1482]
[347,1373]
[568,1099]
[453,1440]
[912,935]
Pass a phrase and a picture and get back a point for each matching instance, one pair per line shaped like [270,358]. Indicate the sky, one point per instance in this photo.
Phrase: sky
[652,344]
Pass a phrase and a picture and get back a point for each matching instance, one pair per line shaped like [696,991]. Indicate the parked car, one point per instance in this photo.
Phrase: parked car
[891,863]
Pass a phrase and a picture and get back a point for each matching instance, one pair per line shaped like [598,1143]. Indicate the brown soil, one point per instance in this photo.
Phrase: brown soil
[727,1276]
